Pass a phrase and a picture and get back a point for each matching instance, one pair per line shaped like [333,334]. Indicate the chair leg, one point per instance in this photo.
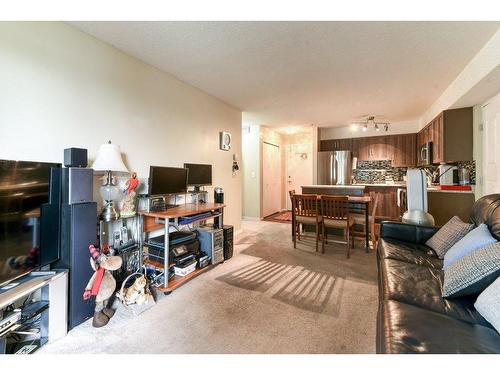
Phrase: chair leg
[317,234]
[348,243]
[367,236]
[324,235]
[294,235]
[298,231]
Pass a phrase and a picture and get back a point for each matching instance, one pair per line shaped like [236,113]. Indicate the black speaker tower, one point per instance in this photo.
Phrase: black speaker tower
[78,231]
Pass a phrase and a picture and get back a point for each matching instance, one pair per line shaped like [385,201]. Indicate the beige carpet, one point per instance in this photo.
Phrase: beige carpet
[269,298]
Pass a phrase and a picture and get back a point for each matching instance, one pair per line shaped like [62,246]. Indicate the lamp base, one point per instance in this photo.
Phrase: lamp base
[108,212]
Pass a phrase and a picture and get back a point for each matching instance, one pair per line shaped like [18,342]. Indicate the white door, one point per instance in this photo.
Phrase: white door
[491,146]
[271,179]
[299,169]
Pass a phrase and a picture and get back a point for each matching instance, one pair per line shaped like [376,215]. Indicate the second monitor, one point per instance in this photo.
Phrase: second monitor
[199,174]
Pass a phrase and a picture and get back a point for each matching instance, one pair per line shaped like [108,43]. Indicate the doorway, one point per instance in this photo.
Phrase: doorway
[299,168]
[271,179]
[491,142]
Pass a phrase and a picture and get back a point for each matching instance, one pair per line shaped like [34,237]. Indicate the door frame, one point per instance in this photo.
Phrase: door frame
[262,177]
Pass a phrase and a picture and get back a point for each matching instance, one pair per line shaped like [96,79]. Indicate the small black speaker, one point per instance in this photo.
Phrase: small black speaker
[75,157]
[228,241]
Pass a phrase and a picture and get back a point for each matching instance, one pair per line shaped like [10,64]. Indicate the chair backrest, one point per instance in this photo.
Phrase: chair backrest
[291,193]
[334,207]
[305,204]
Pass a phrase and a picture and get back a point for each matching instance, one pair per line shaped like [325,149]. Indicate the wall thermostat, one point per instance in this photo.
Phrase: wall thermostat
[225,141]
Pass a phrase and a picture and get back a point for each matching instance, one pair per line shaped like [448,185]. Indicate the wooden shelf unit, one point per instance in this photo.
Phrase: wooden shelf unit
[152,221]
[177,281]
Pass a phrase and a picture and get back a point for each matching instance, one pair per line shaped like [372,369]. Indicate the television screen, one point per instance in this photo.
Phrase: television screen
[29,225]
[166,180]
[199,174]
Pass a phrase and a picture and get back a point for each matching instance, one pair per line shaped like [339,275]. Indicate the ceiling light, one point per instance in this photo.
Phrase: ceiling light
[370,120]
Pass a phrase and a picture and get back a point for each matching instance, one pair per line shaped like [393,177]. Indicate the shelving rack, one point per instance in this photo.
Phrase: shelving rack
[163,220]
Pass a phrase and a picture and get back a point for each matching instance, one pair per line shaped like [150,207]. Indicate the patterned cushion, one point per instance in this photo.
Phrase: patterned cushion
[472,273]
[477,238]
[448,235]
[488,304]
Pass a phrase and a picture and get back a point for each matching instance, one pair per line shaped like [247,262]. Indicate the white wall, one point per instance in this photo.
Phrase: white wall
[350,131]
[62,88]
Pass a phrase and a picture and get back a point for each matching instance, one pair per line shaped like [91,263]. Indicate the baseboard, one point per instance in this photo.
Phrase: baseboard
[251,218]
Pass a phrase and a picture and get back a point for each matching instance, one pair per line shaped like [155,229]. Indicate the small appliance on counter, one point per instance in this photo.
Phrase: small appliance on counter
[463,176]
[448,174]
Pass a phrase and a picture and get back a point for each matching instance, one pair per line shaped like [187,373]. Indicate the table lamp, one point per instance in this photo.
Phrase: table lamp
[109,159]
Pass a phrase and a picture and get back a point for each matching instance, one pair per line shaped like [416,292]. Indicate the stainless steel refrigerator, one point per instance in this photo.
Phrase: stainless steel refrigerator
[334,168]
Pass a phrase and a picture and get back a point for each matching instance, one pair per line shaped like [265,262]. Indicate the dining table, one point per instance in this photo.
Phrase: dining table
[356,204]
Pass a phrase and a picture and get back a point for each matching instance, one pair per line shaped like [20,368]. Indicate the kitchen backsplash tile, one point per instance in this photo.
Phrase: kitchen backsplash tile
[381,170]
[377,171]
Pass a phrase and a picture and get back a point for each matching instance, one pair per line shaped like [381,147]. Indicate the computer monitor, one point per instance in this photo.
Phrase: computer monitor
[167,180]
[199,174]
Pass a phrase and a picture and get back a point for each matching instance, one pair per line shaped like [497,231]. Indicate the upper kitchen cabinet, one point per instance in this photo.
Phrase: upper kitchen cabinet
[402,149]
[451,136]
[373,148]
[336,144]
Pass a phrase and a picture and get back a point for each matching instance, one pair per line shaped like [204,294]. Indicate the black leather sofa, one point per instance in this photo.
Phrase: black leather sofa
[412,315]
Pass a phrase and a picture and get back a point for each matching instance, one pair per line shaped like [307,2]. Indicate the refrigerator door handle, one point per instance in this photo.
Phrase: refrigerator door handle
[332,170]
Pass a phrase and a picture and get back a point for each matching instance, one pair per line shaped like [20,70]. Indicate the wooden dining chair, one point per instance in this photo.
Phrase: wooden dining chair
[368,228]
[334,211]
[305,211]
[291,193]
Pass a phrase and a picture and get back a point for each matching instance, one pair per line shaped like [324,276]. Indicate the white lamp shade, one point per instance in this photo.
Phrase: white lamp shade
[109,158]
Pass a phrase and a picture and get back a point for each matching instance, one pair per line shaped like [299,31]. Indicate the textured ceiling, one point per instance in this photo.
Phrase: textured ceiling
[287,73]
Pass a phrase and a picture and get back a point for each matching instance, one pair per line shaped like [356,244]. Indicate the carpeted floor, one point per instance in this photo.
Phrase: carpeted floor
[269,298]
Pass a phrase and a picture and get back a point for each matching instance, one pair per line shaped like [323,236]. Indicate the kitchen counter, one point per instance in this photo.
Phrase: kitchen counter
[430,189]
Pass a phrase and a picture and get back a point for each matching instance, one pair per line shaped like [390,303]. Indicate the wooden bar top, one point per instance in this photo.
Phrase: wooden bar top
[184,210]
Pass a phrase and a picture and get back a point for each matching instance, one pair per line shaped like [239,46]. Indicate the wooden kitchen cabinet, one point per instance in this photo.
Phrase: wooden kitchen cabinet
[451,135]
[402,150]
[387,207]
[371,148]
[336,144]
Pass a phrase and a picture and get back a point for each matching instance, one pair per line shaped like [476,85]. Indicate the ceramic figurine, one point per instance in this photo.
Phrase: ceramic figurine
[128,203]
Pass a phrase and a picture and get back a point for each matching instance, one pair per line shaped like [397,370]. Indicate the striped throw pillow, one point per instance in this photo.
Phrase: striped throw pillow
[448,235]
[473,273]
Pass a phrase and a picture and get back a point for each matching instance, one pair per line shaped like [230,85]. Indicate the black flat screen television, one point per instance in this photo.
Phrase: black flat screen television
[29,225]
[167,180]
[199,174]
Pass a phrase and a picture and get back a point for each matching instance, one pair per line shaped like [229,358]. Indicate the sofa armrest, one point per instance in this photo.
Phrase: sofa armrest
[417,234]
